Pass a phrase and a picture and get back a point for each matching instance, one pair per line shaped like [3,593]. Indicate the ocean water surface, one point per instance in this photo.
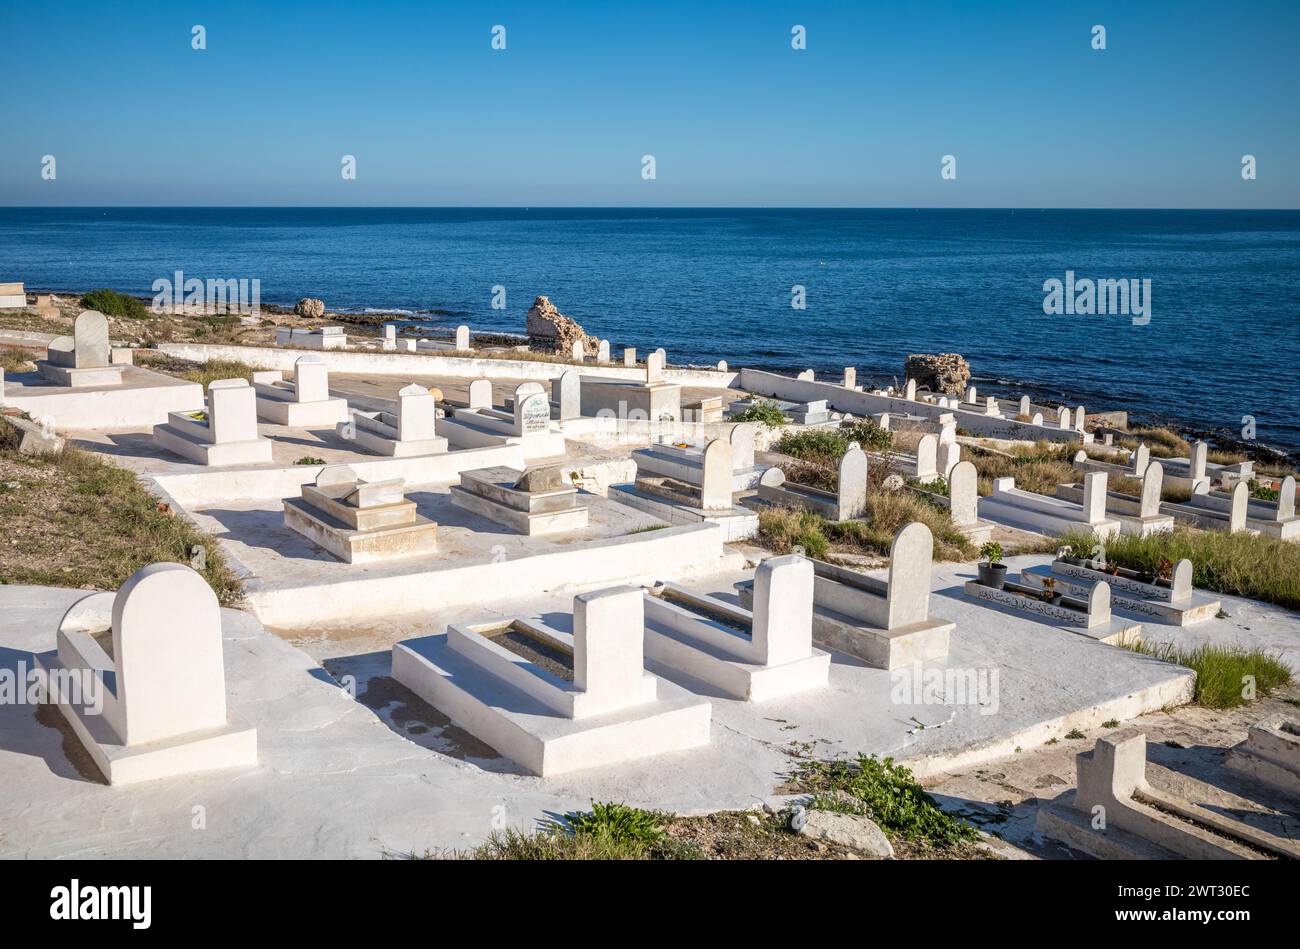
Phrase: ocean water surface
[1222,341]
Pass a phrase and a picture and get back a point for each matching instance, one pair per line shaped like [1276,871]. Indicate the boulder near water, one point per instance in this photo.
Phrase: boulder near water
[939,372]
[551,331]
[310,307]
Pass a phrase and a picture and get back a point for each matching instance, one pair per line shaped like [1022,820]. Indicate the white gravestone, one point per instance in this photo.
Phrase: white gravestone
[417,411]
[909,391]
[578,351]
[1024,405]
[1094,496]
[1153,480]
[532,413]
[1286,499]
[629,357]
[927,456]
[850,377]
[963,494]
[311,381]
[715,483]
[853,483]
[480,394]
[566,392]
[783,603]
[232,411]
[462,337]
[742,445]
[1141,458]
[602,351]
[654,367]
[608,646]
[910,560]
[949,455]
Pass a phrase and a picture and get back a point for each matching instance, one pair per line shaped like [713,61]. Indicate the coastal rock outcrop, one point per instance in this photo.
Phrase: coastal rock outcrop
[939,372]
[310,307]
[551,331]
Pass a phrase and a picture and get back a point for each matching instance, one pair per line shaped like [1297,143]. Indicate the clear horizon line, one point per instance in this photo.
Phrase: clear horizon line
[613,207]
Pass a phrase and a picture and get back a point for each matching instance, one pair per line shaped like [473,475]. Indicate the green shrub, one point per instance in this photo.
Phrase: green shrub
[869,435]
[888,794]
[821,446]
[112,303]
[763,410]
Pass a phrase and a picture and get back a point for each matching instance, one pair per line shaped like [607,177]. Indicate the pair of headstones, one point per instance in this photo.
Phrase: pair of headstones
[88,346]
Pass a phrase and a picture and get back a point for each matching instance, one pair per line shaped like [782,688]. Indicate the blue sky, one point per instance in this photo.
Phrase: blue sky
[733,115]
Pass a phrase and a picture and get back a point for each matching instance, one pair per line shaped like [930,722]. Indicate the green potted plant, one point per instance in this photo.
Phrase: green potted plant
[992,572]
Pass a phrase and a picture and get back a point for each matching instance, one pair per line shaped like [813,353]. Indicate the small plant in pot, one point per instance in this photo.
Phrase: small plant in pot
[992,572]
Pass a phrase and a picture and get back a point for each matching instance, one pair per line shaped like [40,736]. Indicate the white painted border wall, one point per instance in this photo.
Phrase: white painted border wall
[435,364]
[837,397]
[212,487]
[631,558]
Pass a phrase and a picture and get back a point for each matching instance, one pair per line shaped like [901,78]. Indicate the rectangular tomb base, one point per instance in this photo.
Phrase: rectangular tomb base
[532,735]
[1117,632]
[737,523]
[361,546]
[532,523]
[1194,610]
[878,647]
[1270,753]
[1061,821]
[325,413]
[252,452]
[391,447]
[67,376]
[750,682]
[234,746]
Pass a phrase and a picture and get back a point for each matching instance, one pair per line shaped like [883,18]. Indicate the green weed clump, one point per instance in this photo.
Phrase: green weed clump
[112,303]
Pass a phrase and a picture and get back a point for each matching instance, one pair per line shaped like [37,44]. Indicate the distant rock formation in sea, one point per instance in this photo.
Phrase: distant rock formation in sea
[939,372]
[551,331]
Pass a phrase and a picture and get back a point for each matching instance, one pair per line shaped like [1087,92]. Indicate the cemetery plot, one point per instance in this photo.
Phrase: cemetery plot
[1270,753]
[526,421]
[1240,511]
[359,521]
[848,501]
[1089,616]
[754,656]
[409,432]
[654,399]
[1170,599]
[303,402]
[82,359]
[156,707]
[683,460]
[555,702]
[1114,813]
[1039,514]
[326,337]
[1141,515]
[224,434]
[885,623]
[685,502]
[535,501]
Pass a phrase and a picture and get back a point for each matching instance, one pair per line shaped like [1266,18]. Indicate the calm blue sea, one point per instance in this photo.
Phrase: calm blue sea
[1222,341]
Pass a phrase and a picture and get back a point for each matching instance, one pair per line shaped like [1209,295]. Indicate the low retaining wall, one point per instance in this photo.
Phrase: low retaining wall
[864,403]
[213,487]
[434,364]
[634,558]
